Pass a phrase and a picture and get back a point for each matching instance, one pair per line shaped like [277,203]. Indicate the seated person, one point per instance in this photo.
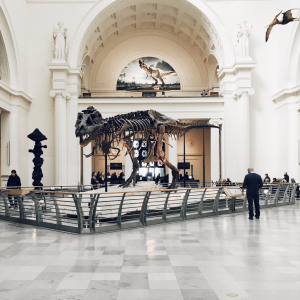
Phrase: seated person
[120,177]
[114,175]
[99,178]
[228,181]
[157,179]
[274,180]
[267,179]
[94,181]
[186,176]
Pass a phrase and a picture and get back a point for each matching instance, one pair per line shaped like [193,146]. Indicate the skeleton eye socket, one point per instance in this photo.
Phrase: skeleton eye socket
[96,117]
[89,121]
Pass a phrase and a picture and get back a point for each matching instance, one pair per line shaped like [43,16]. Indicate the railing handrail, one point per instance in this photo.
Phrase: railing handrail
[103,212]
[21,191]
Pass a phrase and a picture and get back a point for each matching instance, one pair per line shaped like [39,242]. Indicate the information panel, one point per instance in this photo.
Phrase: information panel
[181,166]
[115,166]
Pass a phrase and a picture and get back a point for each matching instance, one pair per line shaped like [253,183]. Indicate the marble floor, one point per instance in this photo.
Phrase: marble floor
[200,259]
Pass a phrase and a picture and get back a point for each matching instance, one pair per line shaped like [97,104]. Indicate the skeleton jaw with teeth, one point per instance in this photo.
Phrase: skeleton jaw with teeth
[87,125]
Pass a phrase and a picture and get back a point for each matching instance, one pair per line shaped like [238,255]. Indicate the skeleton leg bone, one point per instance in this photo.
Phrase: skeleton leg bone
[135,167]
[161,155]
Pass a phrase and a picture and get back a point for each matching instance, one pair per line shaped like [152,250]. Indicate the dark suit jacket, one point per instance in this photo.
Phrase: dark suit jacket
[253,183]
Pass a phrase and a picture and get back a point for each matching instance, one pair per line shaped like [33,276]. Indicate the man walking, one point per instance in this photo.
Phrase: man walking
[14,182]
[253,183]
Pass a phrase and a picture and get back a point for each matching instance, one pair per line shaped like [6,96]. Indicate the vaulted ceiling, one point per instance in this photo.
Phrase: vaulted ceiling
[177,18]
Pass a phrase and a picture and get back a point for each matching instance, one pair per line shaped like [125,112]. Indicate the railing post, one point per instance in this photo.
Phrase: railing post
[245,202]
[286,194]
[232,204]
[21,209]
[164,215]
[91,212]
[201,203]
[184,205]
[38,215]
[6,206]
[293,193]
[268,195]
[277,195]
[216,202]
[119,219]
[143,215]
[77,202]
[92,218]
[57,211]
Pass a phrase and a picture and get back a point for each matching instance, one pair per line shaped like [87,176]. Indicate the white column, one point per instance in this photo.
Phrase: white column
[74,86]
[128,166]
[87,165]
[72,141]
[236,87]
[215,150]
[172,156]
[243,127]
[14,146]
[61,159]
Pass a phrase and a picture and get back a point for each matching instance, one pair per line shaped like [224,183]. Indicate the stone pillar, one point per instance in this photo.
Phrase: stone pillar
[87,165]
[236,88]
[215,150]
[18,131]
[61,159]
[242,96]
[14,151]
[172,156]
[73,151]
[66,88]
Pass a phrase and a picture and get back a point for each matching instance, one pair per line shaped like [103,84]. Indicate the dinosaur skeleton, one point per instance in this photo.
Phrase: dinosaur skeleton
[148,125]
[155,73]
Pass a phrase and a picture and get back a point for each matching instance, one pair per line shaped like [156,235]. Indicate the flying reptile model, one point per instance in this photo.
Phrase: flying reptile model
[287,18]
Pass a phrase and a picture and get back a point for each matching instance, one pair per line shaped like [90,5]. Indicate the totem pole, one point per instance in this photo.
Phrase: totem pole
[37,173]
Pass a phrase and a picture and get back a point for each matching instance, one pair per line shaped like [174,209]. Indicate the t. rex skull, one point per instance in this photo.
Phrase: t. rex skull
[88,123]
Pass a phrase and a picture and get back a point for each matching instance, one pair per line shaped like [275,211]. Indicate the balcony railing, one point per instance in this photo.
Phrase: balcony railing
[86,211]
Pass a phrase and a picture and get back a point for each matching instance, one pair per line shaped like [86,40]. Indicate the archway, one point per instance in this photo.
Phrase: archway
[193,21]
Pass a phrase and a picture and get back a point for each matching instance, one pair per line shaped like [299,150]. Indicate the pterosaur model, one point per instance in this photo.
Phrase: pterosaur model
[148,125]
[155,73]
[287,18]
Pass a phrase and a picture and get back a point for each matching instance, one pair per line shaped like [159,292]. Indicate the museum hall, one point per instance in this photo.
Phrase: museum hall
[150,149]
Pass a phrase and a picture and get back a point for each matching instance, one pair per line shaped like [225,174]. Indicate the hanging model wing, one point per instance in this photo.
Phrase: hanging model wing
[268,32]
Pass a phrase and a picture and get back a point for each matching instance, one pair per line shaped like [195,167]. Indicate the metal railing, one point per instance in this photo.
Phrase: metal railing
[94,212]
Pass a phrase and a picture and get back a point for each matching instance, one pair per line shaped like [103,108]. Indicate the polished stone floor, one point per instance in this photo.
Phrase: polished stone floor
[201,259]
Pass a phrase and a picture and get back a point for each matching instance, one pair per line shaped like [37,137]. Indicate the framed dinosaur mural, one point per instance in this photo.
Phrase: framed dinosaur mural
[148,73]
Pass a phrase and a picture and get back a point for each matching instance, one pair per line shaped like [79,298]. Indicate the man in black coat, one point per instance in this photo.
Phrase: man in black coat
[14,182]
[253,183]
[286,177]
